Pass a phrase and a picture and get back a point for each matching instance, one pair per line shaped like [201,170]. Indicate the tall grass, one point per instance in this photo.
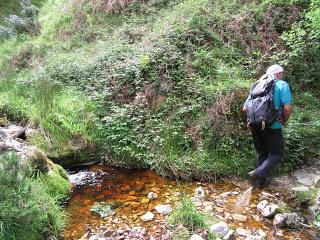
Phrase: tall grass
[27,210]
[60,114]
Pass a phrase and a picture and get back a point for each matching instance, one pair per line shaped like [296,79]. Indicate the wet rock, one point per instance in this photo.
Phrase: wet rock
[152,195]
[199,193]
[196,237]
[220,229]
[291,220]
[239,217]
[163,209]
[147,217]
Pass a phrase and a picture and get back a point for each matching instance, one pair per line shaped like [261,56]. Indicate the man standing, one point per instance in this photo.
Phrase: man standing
[268,141]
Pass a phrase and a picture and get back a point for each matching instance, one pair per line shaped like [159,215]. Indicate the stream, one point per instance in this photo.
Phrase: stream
[127,190]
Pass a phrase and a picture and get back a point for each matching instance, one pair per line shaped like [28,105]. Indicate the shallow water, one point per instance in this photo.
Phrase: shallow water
[128,190]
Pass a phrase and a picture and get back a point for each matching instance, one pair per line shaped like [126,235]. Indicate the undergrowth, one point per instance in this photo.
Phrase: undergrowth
[160,84]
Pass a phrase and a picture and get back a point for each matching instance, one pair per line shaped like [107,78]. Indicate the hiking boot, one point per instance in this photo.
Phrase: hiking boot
[260,182]
[252,174]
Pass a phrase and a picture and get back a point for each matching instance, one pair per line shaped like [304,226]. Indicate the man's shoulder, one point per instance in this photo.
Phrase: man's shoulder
[282,84]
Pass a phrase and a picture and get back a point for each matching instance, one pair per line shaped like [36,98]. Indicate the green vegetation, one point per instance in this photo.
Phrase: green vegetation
[188,216]
[28,204]
[160,84]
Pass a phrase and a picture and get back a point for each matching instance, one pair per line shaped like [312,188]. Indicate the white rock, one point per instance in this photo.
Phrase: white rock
[242,232]
[239,217]
[163,209]
[261,233]
[219,229]
[196,237]
[152,195]
[261,205]
[270,210]
[286,220]
[229,236]
[199,192]
[147,217]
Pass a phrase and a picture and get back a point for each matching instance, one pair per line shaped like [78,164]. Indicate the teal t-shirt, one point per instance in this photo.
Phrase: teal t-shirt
[281,97]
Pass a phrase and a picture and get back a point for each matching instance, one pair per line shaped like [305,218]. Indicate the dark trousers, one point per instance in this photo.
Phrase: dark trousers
[269,146]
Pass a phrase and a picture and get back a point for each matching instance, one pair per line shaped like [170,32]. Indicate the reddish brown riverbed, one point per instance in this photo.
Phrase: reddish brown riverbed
[128,191]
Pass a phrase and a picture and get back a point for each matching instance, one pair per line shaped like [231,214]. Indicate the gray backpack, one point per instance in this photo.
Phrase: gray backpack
[260,107]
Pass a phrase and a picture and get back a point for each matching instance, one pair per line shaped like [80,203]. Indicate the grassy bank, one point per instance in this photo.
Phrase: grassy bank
[160,84]
[29,202]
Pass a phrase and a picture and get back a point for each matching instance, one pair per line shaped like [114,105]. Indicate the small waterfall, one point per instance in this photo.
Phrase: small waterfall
[244,199]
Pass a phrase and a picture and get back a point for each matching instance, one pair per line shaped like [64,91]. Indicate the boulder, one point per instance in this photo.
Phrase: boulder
[220,229]
[163,209]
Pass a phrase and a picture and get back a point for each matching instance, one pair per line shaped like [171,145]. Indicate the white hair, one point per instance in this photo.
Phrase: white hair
[274,69]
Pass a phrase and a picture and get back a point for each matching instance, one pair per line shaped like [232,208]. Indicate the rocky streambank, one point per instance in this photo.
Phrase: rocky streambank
[143,202]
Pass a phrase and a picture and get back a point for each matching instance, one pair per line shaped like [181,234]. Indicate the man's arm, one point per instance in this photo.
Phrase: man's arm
[287,109]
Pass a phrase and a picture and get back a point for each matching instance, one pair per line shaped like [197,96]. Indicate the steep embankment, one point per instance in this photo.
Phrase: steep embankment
[159,84]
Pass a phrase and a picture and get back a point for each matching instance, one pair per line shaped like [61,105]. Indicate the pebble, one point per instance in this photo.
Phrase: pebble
[219,229]
[163,209]
[239,217]
[152,195]
[147,217]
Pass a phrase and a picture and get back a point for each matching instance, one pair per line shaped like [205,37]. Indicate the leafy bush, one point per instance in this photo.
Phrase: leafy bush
[27,210]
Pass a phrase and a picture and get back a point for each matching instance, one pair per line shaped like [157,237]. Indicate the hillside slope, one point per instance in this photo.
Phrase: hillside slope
[159,84]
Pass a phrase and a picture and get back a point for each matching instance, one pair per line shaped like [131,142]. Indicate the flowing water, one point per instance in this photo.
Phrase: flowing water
[128,190]
[244,199]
